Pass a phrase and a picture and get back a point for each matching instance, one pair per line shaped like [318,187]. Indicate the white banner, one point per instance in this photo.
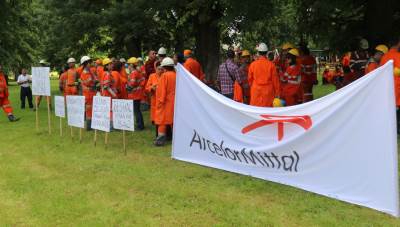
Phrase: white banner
[59,106]
[76,111]
[41,81]
[101,113]
[123,114]
[343,145]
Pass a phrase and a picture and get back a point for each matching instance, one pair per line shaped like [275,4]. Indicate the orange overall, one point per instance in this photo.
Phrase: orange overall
[264,82]
[293,93]
[72,78]
[165,101]
[88,82]
[151,86]
[394,54]
[4,102]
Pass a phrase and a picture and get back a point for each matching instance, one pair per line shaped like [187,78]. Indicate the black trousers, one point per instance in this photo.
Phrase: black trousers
[138,114]
[26,92]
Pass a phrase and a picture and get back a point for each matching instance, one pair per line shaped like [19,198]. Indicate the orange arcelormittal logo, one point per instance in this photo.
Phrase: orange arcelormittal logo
[303,121]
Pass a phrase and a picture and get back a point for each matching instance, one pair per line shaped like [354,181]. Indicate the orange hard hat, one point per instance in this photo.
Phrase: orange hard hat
[245,53]
[382,48]
[287,46]
[187,52]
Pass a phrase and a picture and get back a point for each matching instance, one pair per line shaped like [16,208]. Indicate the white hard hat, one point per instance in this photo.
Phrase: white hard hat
[84,59]
[122,60]
[162,51]
[42,62]
[262,47]
[364,44]
[140,59]
[71,60]
[167,62]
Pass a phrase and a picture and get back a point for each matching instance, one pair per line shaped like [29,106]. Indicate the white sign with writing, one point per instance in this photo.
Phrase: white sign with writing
[76,111]
[123,114]
[101,113]
[41,81]
[59,103]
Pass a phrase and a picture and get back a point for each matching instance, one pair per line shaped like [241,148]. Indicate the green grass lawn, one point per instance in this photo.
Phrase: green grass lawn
[48,180]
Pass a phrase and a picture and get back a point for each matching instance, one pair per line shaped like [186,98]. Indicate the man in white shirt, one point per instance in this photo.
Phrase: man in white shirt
[24,80]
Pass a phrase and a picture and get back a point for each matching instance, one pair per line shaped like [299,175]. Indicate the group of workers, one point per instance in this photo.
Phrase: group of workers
[131,79]
[268,79]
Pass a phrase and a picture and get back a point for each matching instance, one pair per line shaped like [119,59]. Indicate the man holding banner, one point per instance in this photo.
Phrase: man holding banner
[4,102]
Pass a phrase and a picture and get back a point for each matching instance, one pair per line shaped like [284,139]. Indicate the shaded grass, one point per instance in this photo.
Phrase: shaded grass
[48,180]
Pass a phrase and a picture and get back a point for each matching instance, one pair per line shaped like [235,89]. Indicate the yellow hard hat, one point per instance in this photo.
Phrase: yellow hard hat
[294,52]
[396,71]
[287,46]
[245,53]
[277,103]
[382,48]
[133,60]
[106,61]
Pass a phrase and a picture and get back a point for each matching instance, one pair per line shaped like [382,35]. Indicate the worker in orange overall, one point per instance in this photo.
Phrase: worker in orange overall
[62,83]
[193,66]
[4,102]
[165,100]
[394,54]
[151,87]
[72,78]
[263,79]
[308,73]
[293,92]
[90,85]
[135,89]
[123,79]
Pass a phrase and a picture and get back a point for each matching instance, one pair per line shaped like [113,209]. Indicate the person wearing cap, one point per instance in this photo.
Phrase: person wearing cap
[165,99]
[4,101]
[281,62]
[245,60]
[292,93]
[228,74]
[193,66]
[263,79]
[110,81]
[135,89]
[359,59]
[161,54]
[394,54]
[24,80]
[374,62]
[90,85]
[308,73]
[72,78]
[151,87]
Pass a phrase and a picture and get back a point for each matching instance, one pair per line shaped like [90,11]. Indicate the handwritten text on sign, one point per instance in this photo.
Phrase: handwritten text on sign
[101,113]
[41,81]
[123,114]
[76,111]
[59,102]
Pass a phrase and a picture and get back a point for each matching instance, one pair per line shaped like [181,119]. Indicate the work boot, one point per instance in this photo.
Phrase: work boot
[160,141]
[12,118]
[88,125]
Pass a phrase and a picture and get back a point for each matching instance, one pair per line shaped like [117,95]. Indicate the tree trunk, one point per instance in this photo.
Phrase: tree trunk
[379,27]
[207,33]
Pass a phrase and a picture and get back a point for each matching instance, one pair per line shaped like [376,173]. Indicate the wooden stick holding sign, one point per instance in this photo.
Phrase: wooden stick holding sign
[48,113]
[123,117]
[76,112]
[101,116]
[59,109]
[41,87]
[95,137]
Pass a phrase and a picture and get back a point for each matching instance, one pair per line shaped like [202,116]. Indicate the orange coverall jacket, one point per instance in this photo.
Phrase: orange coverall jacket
[165,98]
[137,82]
[194,67]
[88,82]
[4,102]
[151,87]
[394,54]
[293,93]
[72,77]
[264,82]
